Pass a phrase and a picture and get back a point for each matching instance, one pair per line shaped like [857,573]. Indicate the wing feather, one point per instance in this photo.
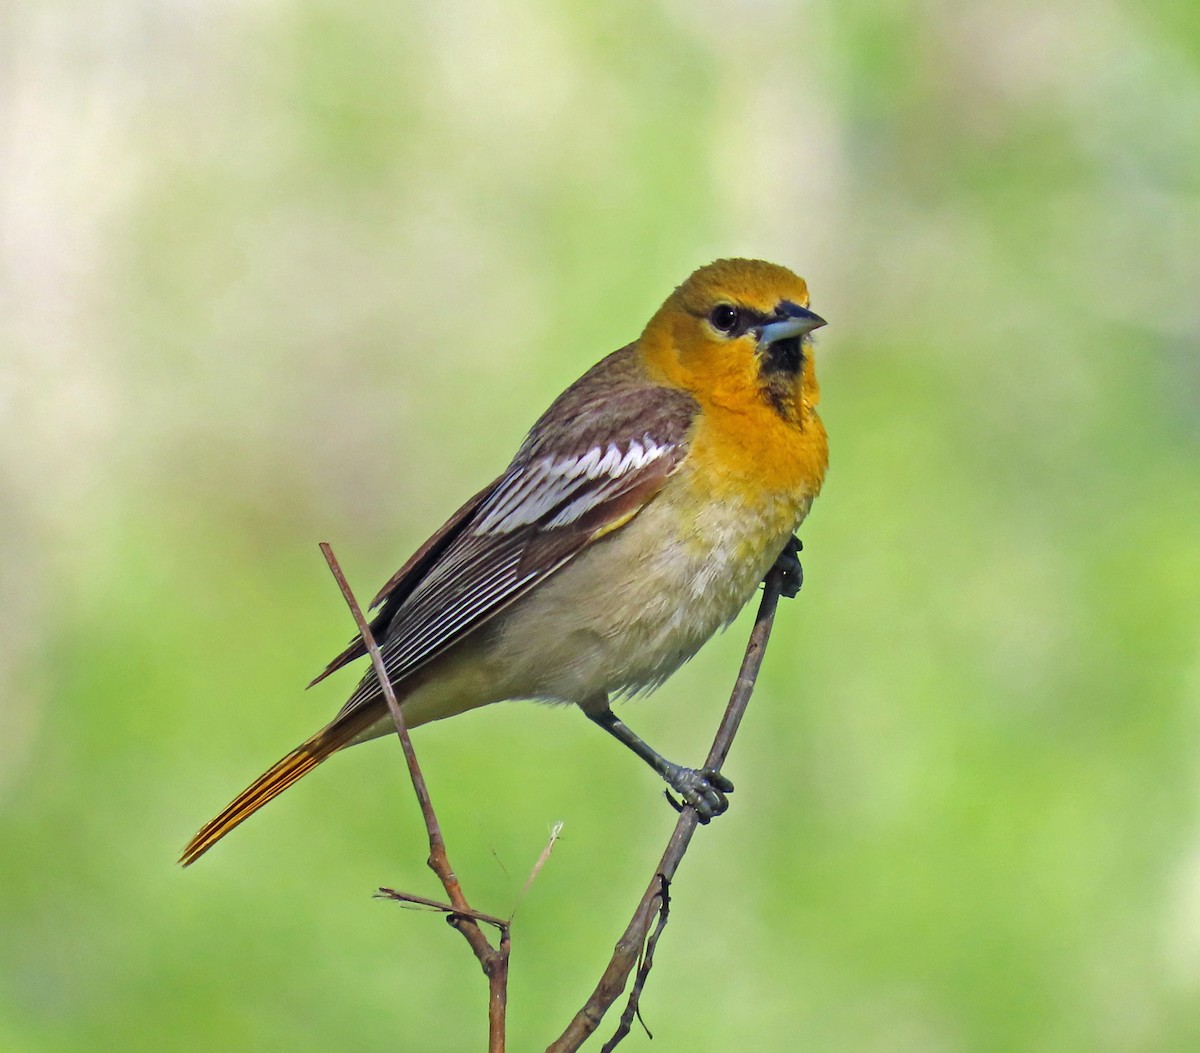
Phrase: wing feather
[404,580]
[597,456]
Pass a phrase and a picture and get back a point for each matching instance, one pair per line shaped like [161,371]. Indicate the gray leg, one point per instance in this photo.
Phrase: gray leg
[704,790]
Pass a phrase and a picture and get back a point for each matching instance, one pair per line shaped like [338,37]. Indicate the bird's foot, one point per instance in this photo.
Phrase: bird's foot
[704,789]
[789,563]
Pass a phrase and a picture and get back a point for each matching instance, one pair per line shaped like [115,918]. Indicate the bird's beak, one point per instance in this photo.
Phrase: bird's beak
[790,320]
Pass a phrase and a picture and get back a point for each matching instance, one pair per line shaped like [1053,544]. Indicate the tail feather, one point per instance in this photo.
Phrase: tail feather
[344,730]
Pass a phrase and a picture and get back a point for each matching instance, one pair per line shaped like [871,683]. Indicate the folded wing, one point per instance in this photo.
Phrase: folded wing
[599,454]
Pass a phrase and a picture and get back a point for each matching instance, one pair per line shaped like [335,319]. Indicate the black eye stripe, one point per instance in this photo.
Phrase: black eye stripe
[734,320]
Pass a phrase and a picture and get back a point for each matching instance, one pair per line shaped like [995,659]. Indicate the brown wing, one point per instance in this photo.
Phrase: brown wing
[405,579]
[604,449]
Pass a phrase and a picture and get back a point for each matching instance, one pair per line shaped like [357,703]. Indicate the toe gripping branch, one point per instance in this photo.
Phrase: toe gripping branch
[704,789]
[789,565]
[635,948]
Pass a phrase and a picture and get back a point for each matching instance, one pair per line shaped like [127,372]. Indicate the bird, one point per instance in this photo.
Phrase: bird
[639,515]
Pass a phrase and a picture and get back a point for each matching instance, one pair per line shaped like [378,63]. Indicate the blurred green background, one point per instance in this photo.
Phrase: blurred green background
[279,273]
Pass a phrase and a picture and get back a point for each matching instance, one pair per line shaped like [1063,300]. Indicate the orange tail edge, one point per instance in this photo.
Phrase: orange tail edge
[278,778]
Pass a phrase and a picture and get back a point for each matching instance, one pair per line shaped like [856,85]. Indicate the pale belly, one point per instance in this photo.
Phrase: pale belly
[627,612]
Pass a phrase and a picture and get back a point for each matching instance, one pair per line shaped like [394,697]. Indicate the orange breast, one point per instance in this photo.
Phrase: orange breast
[746,447]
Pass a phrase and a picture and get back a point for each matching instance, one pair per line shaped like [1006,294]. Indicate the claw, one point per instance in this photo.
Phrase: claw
[705,790]
[789,563]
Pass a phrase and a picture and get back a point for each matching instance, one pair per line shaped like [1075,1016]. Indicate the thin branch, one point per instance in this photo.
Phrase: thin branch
[493,960]
[633,944]
[645,964]
[444,908]
[555,832]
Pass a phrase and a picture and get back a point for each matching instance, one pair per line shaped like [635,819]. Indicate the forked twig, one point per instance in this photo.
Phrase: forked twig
[488,919]
[635,943]
[644,965]
[635,949]
[493,960]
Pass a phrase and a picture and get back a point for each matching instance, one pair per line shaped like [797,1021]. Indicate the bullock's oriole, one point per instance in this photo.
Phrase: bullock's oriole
[638,517]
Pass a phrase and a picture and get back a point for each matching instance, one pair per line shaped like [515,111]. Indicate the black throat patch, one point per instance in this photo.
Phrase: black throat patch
[781,364]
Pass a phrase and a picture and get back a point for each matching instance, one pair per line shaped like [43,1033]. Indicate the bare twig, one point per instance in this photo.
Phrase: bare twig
[645,964]
[637,944]
[555,831]
[634,944]
[493,960]
[445,908]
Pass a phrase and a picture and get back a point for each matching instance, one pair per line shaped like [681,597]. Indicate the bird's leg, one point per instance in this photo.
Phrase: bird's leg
[703,789]
[789,563]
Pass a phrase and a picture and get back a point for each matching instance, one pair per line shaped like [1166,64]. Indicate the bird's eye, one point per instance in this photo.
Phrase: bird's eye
[724,318]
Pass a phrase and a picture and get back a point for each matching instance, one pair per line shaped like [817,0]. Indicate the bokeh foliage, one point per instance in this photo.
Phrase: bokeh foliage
[271,274]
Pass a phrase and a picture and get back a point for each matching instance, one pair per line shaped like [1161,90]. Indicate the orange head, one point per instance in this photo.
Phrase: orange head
[736,335]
